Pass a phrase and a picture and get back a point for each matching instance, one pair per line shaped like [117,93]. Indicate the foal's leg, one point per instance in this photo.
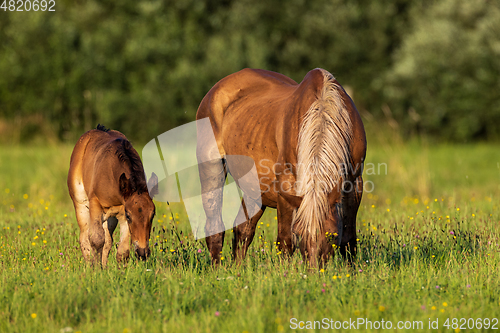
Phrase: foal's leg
[96,230]
[83,218]
[109,227]
[350,203]
[212,177]
[244,232]
[123,252]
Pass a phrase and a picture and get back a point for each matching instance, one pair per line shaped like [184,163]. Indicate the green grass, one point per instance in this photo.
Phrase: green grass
[429,250]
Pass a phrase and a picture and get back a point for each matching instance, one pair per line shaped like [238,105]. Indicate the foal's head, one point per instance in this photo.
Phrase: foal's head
[139,211]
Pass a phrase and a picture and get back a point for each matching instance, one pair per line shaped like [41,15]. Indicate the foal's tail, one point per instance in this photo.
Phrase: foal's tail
[323,155]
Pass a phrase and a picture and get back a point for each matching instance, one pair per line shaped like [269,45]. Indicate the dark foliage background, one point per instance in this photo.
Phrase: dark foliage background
[142,67]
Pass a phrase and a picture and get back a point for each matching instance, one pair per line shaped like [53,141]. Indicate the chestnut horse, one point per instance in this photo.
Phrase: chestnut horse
[308,144]
[107,184]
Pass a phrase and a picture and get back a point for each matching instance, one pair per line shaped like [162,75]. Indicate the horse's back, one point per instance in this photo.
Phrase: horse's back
[256,91]
[256,99]
[247,84]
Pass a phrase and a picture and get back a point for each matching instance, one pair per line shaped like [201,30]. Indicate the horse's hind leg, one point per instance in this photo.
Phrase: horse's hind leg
[96,231]
[82,211]
[212,177]
[83,219]
[244,232]
[350,203]
[284,241]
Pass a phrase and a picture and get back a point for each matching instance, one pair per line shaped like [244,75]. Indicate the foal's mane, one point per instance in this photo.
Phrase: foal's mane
[102,128]
[127,154]
[322,156]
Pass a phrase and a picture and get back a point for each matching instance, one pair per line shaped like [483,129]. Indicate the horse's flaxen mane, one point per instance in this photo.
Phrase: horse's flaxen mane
[322,157]
[127,154]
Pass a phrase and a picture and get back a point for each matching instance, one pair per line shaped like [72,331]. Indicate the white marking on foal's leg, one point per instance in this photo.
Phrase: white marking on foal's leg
[123,251]
[108,243]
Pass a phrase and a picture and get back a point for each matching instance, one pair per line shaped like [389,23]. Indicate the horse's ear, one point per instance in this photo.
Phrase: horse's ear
[292,200]
[125,189]
[153,185]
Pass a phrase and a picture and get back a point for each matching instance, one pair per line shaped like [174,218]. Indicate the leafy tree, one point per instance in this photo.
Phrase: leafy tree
[142,67]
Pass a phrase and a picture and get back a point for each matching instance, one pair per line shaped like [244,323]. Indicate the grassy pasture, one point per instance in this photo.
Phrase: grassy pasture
[429,250]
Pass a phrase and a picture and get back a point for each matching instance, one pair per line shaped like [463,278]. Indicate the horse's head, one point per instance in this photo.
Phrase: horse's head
[139,212]
[317,225]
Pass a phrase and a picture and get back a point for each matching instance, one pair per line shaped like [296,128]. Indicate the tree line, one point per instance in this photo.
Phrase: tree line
[142,67]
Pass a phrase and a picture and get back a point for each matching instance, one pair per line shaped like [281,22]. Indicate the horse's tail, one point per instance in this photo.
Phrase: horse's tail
[323,157]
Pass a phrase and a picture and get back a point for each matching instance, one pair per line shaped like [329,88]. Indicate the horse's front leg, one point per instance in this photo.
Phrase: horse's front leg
[350,204]
[97,235]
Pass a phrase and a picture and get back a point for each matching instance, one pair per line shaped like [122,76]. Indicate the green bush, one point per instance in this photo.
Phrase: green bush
[444,80]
